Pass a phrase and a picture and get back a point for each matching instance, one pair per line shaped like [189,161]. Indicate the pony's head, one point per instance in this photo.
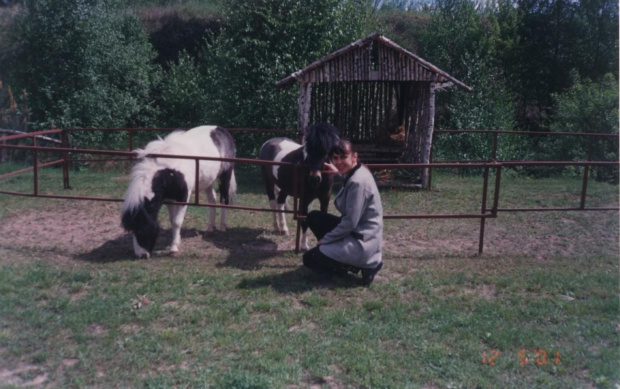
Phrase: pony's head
[318,141]
[150,186]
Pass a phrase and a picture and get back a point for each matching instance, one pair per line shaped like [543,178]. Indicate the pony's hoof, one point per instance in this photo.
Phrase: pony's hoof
[174,253]
[144,256]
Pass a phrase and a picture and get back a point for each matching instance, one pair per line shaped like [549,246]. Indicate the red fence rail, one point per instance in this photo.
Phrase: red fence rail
[486,212]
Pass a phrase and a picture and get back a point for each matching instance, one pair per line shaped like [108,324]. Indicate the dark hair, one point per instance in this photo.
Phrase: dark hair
[342,147]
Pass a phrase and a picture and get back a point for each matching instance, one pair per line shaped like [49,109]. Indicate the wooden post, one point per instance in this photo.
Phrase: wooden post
[305,99]
[3,158]
[65,160]
[483,211]
[35,165]
[427,139]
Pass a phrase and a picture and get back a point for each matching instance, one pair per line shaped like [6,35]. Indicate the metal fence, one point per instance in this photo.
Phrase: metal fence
[67,158]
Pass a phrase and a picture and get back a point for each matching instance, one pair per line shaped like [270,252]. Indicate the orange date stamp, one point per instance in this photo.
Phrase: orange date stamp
[536,356]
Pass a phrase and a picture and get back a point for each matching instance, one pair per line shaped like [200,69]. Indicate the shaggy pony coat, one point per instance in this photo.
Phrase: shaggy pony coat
[156,180]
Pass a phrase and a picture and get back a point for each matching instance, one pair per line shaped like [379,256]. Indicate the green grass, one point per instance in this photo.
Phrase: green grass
[226,315]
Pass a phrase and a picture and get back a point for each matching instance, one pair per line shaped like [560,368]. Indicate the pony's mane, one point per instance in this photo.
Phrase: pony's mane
[159,145]
[319,139]
[140,185]
[143,172]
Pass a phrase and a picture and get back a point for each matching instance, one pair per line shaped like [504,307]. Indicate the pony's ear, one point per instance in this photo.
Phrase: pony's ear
[321,137]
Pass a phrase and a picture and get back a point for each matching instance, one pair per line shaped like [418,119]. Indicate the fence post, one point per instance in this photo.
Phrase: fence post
[3,157]
[35,163]
[197,182]
[498,179]
[483,219]
[430,160]
[65,160]
[296,201]
[584,186]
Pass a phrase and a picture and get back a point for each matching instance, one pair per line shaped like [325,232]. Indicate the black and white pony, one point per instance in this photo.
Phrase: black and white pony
[279,179]
[154,180]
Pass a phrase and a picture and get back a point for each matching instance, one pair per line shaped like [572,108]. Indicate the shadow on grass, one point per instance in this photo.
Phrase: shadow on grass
[300,280]
[121,248]
[246,249]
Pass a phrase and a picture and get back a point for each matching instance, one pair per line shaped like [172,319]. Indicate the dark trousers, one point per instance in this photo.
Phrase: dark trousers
[320,223]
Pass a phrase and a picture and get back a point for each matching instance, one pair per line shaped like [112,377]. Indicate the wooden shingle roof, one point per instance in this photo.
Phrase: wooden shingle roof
[373,58]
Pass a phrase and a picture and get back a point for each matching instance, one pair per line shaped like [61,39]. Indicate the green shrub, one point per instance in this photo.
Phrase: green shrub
[84,64]
[588,107]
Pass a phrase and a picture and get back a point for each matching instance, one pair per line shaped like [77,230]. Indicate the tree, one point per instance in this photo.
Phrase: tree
[83,63]
[183,101]
[546,41]
[265,40]
[487,107]
[457,29]
[461,39]
[588,107]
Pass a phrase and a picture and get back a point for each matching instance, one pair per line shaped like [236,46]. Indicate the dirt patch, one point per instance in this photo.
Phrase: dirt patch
[71,227]
[91,231]
[23,375]
[67,231]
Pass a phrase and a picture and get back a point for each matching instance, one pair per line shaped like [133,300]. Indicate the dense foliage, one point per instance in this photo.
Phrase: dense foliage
[591,108]
[522,58]
[84,63]
[89,63]
[263,42]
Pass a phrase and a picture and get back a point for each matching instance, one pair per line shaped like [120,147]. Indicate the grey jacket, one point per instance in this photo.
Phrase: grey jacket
[356,240]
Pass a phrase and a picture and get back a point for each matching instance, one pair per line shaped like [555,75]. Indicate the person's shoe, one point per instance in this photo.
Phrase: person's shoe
[368,275]
[352,269]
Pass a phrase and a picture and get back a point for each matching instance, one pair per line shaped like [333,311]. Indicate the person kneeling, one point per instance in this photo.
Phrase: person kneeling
[350,242]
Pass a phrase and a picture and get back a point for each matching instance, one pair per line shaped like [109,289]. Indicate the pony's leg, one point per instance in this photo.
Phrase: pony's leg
[304,241]
[273,205]
[282,219]
[211,200]
[223,218]
[177,215]
[281,206]
[278,226]
[303,246]
[227,188]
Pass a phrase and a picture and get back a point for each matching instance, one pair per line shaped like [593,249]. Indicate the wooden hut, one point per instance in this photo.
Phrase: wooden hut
[379,95]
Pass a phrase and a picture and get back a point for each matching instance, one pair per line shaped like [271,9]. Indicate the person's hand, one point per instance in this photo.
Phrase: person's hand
[329,168]
[318,243]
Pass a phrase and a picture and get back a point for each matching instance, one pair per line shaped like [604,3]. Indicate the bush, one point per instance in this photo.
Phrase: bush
[84,63]
[183,99]
[588,107]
